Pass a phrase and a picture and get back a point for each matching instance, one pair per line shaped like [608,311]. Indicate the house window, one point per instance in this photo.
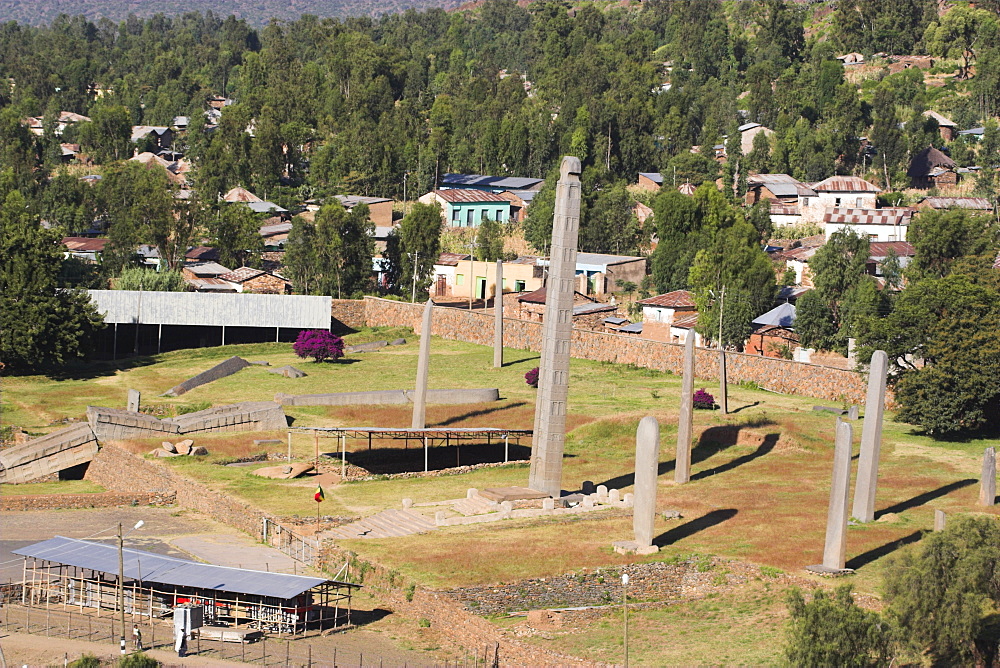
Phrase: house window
[518,286]
[470,217]
[872,237]
[805,201]
[454,215]
[836,202]
[459,279]
[858,203]
[503,284]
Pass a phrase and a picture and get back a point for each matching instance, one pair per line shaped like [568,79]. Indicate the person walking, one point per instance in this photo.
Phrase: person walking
[136,637]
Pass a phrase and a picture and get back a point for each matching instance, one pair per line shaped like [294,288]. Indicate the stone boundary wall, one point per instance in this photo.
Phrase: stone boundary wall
[444,612]
[121,471]
[777,375]
[96,500]
[346,315]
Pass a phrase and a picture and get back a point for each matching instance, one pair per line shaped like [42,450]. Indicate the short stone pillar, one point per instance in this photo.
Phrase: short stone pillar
[439,518]
[602,491]
[471,493]
[407,504]
[506,507]
[548,504]
[853,413]
[871,439]
[588,503]
[939,520]
[835,547]
[628,499]
[133,400]
[647,462]
[988,482]
[682,462]
[614,496]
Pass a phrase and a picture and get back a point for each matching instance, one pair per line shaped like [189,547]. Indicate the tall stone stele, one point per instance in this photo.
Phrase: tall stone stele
[423,362]
[682,462]
[835,546]
[647,465]
[988,481]
[557,329]
[871,439]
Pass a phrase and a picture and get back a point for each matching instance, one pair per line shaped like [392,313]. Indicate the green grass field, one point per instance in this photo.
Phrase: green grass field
[758,493]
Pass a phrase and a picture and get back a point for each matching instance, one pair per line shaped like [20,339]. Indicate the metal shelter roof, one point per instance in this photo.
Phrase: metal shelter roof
[782,315]
[431,432]
[150,567]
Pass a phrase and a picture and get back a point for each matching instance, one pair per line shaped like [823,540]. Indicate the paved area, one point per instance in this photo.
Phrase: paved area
[236,550]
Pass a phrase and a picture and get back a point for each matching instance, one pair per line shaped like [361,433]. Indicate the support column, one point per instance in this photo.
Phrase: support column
[871,439]
[498,318]
[159,338]
[682,465]
[423,361]
[549,434]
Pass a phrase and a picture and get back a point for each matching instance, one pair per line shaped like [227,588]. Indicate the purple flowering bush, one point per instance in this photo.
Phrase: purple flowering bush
[319,344]
[703,399]
[531,378]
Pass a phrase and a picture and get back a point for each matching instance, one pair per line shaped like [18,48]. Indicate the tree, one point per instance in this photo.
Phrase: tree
[834,631]
[318,344]
[108,136]
[814,322]
[489,240]
[139,278]
[943,592]
[691,168]
[610,225]
[420,237]
[960,31]
[941,237]
[300,256]
[41,324]
[236,235]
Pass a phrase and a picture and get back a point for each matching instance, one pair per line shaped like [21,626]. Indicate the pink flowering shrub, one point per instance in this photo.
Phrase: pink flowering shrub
[319,344]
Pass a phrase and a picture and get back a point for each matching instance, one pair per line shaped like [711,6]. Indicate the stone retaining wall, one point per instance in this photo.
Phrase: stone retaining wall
[346,315]
[121,471]
[778,375]
[444,613]
[97,500]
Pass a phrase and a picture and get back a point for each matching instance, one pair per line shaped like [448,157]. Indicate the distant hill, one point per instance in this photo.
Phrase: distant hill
[255,12]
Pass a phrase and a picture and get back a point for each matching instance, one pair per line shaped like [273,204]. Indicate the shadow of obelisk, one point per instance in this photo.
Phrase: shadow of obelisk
[557,329]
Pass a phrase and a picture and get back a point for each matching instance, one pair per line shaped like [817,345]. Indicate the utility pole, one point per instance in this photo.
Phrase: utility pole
[723,391]
[625,612]
[121,584]
[413,290]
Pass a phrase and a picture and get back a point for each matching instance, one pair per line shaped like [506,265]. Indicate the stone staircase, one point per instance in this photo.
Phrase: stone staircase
[475,505]
[386,524]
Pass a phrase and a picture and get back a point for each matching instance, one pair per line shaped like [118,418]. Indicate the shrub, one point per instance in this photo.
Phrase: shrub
[86,661]
[138,660]
[531,378]
[319,344]
[703,399]
[831,630]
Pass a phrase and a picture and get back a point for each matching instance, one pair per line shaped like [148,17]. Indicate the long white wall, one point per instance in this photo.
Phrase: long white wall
[221,309]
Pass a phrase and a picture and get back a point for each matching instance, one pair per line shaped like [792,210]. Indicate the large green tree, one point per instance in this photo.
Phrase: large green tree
[236,235]
[418,248]
[832,630]
[42,325]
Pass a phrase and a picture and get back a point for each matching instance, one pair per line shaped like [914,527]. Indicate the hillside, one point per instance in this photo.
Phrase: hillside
[256,12]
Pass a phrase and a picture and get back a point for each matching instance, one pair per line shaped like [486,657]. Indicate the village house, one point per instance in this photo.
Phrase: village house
[878,251]
[257,281]
[275,232]
[454,273]
[36,124]
[650,180]
[841,191]
[519,200]
[588,313]
[84,248]
[980,204]
[668,317]
[379,208]
[888,224]
[932,169]
[467,208]
[748,131]
[205,277]
[601,274]
[947,128]
[161,136]
[773,333]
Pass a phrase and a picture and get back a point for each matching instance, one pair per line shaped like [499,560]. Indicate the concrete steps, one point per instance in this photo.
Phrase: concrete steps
[386,524]
[477,505]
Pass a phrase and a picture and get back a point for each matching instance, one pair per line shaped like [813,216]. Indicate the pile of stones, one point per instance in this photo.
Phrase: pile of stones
[182,448]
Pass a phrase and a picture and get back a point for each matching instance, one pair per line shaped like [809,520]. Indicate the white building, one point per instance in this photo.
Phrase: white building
[876,224]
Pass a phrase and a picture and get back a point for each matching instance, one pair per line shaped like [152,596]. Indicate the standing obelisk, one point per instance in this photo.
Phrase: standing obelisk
[423,362]
[557,329]
[498,318]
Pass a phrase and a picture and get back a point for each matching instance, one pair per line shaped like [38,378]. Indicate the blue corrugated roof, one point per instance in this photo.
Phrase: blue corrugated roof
[779,316]
[150,567]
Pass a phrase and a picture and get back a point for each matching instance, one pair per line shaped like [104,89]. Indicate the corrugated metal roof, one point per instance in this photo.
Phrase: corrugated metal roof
[483,181]
[150,567]
[265,207]
[460,195]
[451,259]
[655,177]
[634,328]
[685,320]
[846,184]
[899,216]
[900,248]
[782,185]
[598,261]
[206,269]
[84,244]
[615,321]
[780,316]
[675,299]
[351,201]
[596,307]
